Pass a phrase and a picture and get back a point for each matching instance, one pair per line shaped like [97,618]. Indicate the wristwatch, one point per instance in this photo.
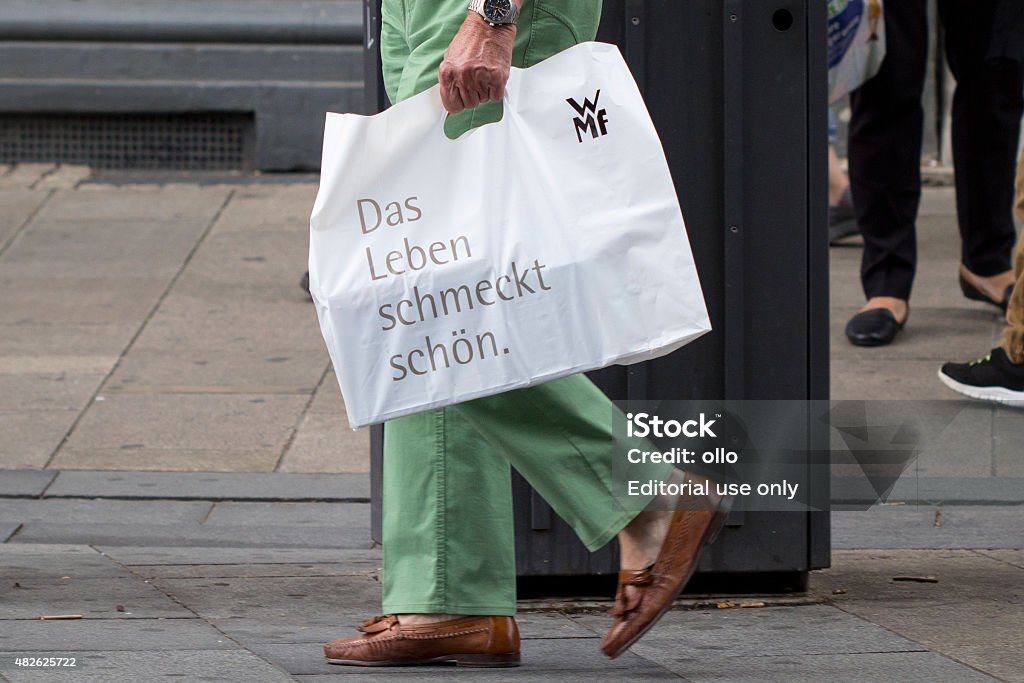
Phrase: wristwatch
[496,12]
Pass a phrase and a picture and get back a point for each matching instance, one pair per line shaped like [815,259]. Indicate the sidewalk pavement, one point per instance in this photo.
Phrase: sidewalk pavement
[176,468]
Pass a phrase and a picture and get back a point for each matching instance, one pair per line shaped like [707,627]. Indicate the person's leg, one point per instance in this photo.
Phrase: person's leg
[987,108]
[884,149]
[558,435]
[842,222]
[460,561]
[447,519]
[885,153]
[451,550]
[838,183]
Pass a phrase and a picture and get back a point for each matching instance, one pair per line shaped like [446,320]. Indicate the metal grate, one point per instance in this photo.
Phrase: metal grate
[130,141]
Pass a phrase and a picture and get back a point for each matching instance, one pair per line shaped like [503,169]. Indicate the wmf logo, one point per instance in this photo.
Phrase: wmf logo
[590,119]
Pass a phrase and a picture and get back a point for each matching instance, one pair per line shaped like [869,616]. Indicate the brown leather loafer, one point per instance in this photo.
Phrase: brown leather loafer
[467,641]
[644,595]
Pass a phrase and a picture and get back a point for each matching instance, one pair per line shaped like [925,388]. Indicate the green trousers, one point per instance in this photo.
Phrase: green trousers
[447,504]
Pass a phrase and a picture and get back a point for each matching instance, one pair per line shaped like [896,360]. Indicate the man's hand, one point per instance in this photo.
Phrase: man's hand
[475,67]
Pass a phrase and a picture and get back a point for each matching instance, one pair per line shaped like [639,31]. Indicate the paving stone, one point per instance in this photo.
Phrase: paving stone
[156,556]
[323,441]
[103,511]
[304,658]
[912,526]
[252,255]
[235,316]
[906,667]
[97,266]
[533,625]
[195,535]
[970,614]
[937,202]
[193,318]
[898,380]
[328,399]
[167,459]
[867,575]
[334,515]
[272,602]
[253,632]
[131,667]
[26,483]
[937,286]
[64,177]
[938,236]
[844,279]
[270,208]
[25,175]
[24,636]
[960,447]
[29,561]
[65,388]
[936,333]
[51,367]
[953,490]
[31,437]
[95,299]
[1009,435]
[54,338]
[773,631]
[555,658]
[213,486]
[523,674]
[238,571]
[911,489]
[1014,557]
[167,432]
[93,598]
[936,289]
[143,232]
[1007,669]
[19,205]
[954,445]
[259,369]
[47,549]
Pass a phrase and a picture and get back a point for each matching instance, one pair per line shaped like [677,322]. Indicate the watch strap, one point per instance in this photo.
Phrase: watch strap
[478,7]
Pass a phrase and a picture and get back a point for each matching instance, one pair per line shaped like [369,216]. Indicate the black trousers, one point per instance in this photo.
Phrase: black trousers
[885,140]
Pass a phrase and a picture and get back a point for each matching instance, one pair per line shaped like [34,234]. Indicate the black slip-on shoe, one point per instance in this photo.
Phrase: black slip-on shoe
[992,378]
[876,327]
[975,294]
[304,284]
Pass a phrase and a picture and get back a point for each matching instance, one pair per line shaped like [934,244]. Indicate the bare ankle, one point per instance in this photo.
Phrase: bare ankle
[411,619]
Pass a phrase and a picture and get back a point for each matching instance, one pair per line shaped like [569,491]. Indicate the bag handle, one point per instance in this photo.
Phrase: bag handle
[513,84]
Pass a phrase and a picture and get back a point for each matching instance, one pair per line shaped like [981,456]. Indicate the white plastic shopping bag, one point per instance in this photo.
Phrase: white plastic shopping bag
[543,245]
[856,44]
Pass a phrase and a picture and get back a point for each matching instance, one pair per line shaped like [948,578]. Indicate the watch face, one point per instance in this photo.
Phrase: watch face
[497,11]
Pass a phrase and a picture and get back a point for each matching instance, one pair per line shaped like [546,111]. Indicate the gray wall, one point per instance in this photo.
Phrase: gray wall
[284,63]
